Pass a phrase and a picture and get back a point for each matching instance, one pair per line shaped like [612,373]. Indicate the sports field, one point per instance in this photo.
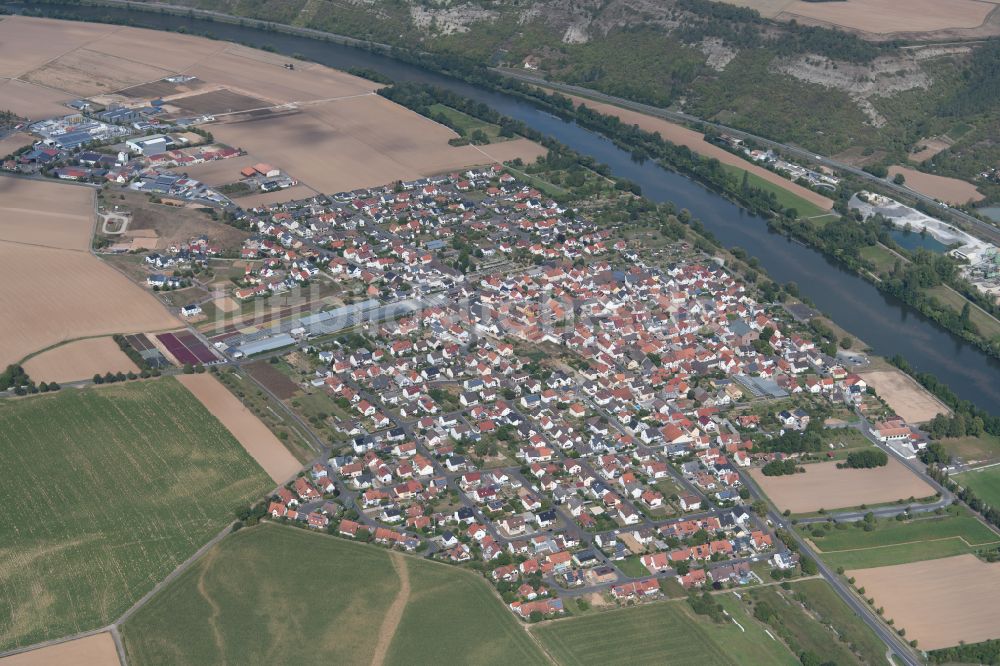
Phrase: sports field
[107,491]
[894,542]
[906,397]
[985,483]
[273,594]
[662,633]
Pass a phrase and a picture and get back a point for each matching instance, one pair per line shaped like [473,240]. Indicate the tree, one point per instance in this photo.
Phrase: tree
[846,342]
[899,179]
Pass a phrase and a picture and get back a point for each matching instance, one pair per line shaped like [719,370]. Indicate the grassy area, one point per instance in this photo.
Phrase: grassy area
[543,186]
[466,124]
[883,259]
[983,447]
[785,197]
[275,594]
[801,632]
[985,483]
[900,542]
[453,615]
[828,609]
[631,566]
[660,633]
[108,490]
[988,327]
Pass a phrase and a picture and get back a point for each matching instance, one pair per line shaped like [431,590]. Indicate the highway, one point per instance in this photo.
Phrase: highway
[976,226]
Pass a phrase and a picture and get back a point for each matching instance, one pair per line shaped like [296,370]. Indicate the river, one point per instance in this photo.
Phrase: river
[888,326]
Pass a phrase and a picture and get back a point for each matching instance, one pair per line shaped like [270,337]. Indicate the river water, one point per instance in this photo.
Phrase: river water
[884,323]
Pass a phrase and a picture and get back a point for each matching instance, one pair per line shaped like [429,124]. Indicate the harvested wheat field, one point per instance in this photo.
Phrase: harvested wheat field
[940,602]
[682,136]
[79,359]
[63,295]
[823,486]
[949,190]
[883,17]
[48,214]
[359,142]
[906,397]
[255,437]
[14,141]
[262,199]
[95,650]
[32,101]
[28,43]
[84,72]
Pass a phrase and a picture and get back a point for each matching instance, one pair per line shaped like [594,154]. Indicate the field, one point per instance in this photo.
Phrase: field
[683,136]
[255,437]
[800,629]
[174,224]
[882,258]
[987,326]
[255,597]
[985,483]
[96,650]
[784,196]
[983,448]
[939,602]
[928,148]
[823,486]
[906,397]
[661,633]
[65,220]
[886,17]
[79,359]
[894,542]
[949,190]
[108,490]
[59,290]
[87,59]
[376,140]
[32,101]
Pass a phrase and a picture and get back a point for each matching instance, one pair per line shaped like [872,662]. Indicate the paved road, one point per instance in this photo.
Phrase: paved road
[985,230]
[901,649]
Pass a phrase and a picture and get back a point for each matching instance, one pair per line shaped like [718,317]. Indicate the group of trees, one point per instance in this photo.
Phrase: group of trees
[867,459]
[987,652]
[13,377]
[780,468]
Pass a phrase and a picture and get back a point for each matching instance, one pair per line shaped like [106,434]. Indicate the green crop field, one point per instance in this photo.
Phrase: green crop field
[453,617]
[661,633]
[849,641]
[785,197]
[894,542]
[106,491]
[274,594]
[985,484]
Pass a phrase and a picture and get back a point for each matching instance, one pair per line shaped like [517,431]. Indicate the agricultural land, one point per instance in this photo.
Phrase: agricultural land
[80,359]
[137,478]
[824,486]
[222,610]
[939,603]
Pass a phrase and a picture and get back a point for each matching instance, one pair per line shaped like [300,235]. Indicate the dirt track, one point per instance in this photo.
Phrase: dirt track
[395,613]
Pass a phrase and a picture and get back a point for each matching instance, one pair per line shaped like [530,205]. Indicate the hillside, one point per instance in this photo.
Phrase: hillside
[867,98]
